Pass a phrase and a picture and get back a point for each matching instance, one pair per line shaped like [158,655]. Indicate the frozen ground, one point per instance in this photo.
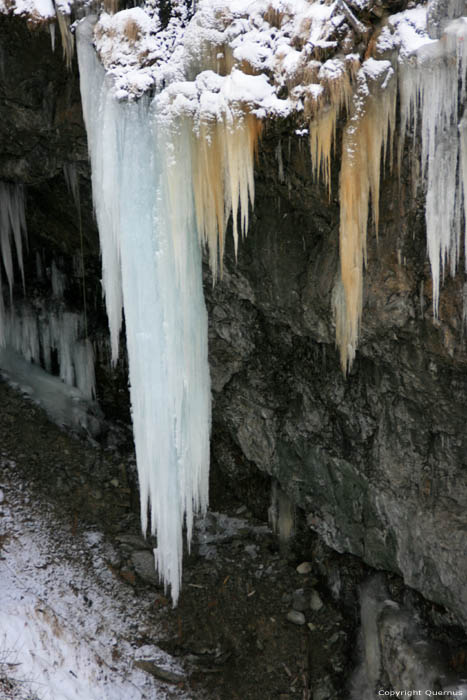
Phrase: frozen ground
[67,623]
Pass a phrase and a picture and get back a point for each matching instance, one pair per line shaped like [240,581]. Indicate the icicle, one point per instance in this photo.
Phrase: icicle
[58,281]
[223,179]
[12,225]
[68,42]
[72,183]
[428,84]
[100,116]
[280,162]
[334,96]
[34,335]
[142,189]
[365,141]
[52,35]
[83,361]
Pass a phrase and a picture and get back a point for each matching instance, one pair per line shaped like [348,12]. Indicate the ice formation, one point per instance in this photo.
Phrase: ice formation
[365,141]
[36,333]
[12,230]
[54,340]
[223,179]
[429,90]
[143,197]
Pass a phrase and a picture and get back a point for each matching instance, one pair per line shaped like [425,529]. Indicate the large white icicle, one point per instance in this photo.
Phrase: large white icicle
[429,85]
[144,204]
[100,114]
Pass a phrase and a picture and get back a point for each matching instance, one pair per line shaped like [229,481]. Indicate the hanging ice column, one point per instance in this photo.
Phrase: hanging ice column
[429,85]
[151,260]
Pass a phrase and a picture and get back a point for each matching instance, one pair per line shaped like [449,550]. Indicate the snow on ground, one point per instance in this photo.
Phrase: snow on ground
[65,405]
[67,625]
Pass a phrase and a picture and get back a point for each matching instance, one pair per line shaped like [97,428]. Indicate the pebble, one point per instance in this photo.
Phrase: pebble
[304,568]
[144,566]
[251,550]
[299,600]
[315,601]
[159,672]
[2,496]
[296,617]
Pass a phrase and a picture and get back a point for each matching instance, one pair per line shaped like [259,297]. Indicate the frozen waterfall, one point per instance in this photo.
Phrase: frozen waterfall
[142,189]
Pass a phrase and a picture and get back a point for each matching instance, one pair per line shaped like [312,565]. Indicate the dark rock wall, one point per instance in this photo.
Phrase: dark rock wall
[377,460]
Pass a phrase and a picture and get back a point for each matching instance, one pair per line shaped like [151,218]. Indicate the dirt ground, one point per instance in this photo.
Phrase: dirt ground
[231,631]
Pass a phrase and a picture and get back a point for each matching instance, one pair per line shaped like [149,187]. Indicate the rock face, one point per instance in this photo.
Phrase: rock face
[377,460]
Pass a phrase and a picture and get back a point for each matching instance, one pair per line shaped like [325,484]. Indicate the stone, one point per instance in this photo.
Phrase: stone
[133,541]
[296,617]
[300,600]
[144,566]
[304,568]
[315,601]
[158,672]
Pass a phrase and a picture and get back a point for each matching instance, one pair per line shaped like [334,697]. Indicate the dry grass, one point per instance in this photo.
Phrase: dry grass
[274,17]
[111,6]
[68,42]
[132,31]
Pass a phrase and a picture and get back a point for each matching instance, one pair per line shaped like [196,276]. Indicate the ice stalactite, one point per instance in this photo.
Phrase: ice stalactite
[332,96]
[365,142]
[68,42]
[223,179]
[45,337]
[142,189]
[12,229]
[429,90]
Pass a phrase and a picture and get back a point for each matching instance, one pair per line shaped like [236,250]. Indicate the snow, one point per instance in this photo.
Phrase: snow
[152,265]
[38,10]
[65,405]
[410,31]
[68,626]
